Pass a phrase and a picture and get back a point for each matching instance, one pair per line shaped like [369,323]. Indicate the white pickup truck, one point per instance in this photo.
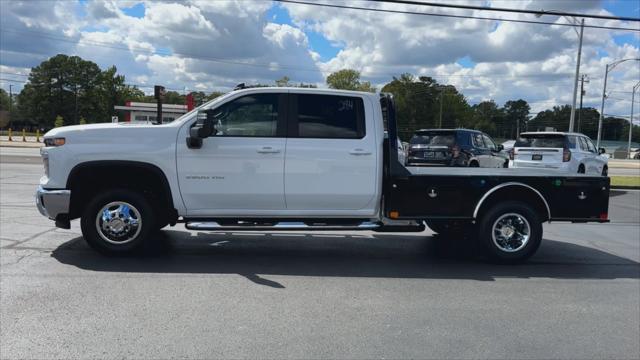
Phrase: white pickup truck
[292,159]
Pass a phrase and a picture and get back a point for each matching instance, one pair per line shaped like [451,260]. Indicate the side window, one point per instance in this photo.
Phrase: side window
[592,148]
[571,140]
[583,144]
[476,140]
[489,143]
[253,115]
[330,117]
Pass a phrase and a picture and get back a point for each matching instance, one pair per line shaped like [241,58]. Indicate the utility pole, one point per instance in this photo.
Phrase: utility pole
[633,99]
[441,98]
[159,92]
[582,81]
[10,104]
[442,89]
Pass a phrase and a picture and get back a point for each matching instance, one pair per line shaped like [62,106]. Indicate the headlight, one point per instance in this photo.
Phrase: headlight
[54,141]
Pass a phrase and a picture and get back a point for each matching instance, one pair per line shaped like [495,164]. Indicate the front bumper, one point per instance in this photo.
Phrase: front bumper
[52,203]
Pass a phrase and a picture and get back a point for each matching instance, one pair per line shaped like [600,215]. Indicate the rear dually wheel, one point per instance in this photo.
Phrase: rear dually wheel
[510,232]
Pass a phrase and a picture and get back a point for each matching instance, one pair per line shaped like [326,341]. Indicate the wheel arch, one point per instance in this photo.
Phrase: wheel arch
[512,191]
[103,174]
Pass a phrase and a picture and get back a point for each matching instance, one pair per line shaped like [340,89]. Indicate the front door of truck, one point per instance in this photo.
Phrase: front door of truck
[332,161]
[240,169]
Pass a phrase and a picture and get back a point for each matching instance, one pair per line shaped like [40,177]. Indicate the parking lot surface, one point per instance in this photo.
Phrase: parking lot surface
[313,295]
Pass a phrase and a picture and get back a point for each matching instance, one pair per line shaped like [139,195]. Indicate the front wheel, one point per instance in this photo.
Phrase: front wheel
[510,232]
[117,222]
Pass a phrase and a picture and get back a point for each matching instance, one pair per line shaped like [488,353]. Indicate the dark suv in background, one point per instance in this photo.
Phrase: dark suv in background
[455,147]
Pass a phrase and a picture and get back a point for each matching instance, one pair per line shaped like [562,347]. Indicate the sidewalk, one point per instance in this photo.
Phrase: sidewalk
[17,141]
[624,164]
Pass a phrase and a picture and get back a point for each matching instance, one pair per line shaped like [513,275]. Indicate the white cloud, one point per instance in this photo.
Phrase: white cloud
[210,45]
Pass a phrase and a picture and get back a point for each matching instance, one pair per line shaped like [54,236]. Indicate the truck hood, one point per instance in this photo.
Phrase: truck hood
[79,129]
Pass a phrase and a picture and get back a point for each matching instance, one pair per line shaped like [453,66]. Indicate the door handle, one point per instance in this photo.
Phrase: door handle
[359,152]
[268,150]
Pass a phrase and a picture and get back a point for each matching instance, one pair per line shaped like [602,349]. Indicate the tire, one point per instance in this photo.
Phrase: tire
[605,171]
[131,222]
[448,227]
[581,169]
[501,231]
[474,164]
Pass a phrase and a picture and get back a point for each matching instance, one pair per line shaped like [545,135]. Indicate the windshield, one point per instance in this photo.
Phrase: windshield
[541,141]
[438,138]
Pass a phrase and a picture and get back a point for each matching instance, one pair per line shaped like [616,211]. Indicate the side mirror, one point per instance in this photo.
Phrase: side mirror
[500,147]
[202,129]
[602,151]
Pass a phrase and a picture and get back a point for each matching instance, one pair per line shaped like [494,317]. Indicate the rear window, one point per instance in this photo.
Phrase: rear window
[433,138]
[541,141]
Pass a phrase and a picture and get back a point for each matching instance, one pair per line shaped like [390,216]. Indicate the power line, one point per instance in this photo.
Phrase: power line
[452,16]
[490,76]
[498,9]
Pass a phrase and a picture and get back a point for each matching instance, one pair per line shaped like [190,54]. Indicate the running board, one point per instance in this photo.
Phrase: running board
[214,226]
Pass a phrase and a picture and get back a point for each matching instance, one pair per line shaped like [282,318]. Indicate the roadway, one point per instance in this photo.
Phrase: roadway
[313,295]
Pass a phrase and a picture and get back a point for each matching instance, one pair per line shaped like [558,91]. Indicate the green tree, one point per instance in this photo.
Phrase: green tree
[556,118]
[4,100]
[73,88]
[82,121]
[348,79]
[418,103]
[516,115]
[5,116]
[59,121]
[486,115]
[283,81]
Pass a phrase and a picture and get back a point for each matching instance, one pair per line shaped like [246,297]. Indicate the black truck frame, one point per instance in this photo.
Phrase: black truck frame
[469,200]
[459,193]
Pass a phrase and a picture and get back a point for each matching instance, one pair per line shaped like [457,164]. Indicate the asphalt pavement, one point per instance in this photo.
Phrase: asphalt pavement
[313,295]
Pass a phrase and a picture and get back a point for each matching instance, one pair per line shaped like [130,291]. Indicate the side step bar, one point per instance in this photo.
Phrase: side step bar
[214,226]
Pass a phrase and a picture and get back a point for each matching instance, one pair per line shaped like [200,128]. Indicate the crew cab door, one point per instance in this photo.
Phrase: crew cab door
[240,169]
[332,162]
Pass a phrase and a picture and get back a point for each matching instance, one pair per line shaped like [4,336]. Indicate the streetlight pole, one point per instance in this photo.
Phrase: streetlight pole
[633,93]
[607,69]
[574,21]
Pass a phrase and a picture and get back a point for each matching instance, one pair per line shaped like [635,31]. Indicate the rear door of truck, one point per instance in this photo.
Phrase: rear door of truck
[331,161]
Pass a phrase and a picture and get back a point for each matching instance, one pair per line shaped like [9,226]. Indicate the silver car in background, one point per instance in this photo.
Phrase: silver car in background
[571,153]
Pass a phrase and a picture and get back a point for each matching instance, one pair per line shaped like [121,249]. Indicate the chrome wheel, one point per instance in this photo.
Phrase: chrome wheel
[511,232]
[118,222]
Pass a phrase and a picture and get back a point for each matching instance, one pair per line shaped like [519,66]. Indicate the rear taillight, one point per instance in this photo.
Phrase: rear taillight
[512,153]
[566,155]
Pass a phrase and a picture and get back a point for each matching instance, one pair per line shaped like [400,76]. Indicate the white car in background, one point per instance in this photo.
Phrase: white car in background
[571,153]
